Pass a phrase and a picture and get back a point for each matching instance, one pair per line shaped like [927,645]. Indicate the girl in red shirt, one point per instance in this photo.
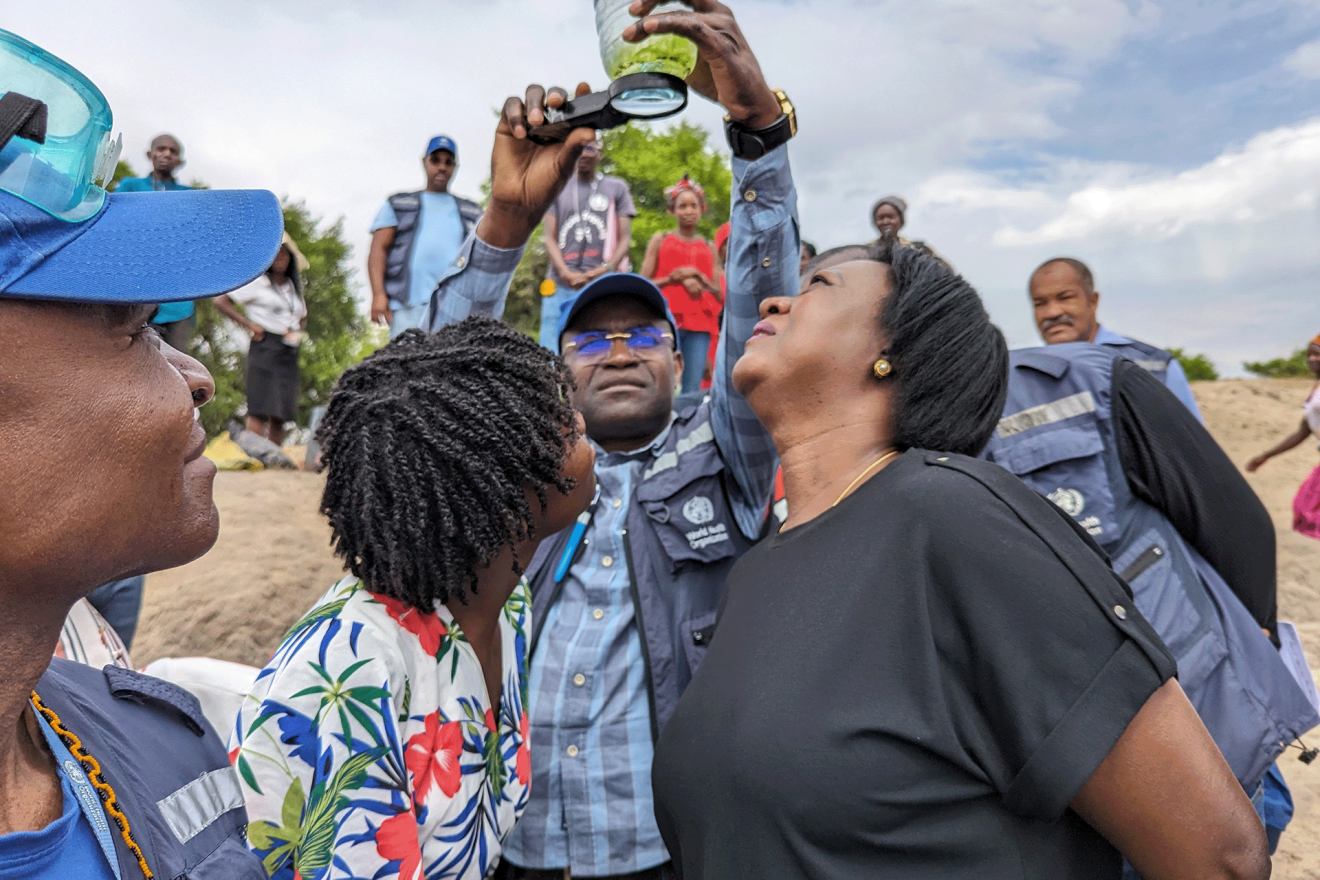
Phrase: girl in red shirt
[685,267]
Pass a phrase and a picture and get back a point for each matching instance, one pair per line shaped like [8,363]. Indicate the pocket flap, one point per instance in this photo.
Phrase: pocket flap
[1027,454]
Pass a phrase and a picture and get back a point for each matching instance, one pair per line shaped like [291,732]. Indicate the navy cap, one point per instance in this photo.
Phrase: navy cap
[441,142]
[140,247]
[612,284]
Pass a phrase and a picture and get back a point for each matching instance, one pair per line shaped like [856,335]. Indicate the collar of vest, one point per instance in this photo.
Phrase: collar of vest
[1042,362]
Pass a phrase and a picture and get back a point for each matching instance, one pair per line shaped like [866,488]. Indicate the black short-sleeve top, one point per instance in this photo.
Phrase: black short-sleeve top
[914,684]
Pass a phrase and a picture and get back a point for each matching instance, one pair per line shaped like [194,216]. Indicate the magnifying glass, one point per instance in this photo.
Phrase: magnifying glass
[635,96]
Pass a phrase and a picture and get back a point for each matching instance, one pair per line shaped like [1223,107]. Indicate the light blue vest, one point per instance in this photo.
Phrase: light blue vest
[1057,434]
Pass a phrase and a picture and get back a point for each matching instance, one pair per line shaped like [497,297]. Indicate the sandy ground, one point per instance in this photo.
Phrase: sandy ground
[273,560]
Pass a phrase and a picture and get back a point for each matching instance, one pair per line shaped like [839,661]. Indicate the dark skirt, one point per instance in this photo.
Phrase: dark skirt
[272,379]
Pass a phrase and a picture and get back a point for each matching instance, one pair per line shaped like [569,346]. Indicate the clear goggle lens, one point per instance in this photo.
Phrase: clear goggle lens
[66,176]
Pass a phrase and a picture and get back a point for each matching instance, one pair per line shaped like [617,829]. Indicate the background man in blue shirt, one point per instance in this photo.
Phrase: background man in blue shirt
[1065,300]
[414,238]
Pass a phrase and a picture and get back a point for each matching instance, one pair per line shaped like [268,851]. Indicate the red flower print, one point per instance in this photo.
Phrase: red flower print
[427,626]
[233,756]
[396,838]
[490,721]
[432,758]
[523,763]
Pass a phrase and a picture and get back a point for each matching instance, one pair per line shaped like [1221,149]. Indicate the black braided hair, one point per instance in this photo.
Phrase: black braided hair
[429,445]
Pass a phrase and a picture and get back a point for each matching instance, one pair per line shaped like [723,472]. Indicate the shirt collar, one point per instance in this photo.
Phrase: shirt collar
[1105,336]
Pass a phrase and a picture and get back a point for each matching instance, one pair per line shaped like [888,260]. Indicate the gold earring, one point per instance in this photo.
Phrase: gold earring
[882,368]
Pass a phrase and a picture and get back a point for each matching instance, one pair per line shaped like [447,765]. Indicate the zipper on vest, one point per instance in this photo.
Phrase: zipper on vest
[641,632]
[1151,555]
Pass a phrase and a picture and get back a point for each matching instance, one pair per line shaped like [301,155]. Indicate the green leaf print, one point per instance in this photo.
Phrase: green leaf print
[315,616]
[316,848]
[264,835]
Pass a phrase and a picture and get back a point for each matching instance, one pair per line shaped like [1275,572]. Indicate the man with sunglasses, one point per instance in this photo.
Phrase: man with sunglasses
[626,599]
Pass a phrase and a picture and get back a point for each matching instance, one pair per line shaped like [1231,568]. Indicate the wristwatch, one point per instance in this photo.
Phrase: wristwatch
[753,143]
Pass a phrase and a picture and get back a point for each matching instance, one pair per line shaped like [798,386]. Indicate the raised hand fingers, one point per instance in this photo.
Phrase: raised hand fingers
[535,102]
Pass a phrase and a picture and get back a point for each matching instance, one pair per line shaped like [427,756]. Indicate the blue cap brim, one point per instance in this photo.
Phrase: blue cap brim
[615,284]
[161,247]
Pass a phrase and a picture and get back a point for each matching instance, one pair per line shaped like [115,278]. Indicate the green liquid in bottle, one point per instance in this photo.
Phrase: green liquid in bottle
[664,53]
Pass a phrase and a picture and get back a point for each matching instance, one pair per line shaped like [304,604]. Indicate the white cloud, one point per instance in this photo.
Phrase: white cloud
[1305,60]
[1275,172]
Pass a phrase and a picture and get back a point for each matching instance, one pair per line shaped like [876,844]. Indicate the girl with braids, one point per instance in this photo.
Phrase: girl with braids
[686,269]
[388,734]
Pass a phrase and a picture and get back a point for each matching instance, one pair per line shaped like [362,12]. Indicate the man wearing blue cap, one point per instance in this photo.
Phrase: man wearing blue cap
[414,238]
[626,599]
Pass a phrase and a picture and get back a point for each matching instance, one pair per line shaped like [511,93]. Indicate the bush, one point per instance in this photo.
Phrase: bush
[1280,368]
[1198,367]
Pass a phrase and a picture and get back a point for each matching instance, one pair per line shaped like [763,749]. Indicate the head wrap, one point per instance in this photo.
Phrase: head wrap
[687,184]
[1315,341]
[895,202]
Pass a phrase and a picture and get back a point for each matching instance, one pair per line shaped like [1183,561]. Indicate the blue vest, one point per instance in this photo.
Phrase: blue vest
[168,769]
[1151,359]
[1057,434]
[680,541]
[398,260]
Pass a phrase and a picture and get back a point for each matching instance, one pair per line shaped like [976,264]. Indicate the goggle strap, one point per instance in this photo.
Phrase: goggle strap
[22,116]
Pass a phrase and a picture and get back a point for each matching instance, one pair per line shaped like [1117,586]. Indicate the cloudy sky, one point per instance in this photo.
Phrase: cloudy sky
[1173,145]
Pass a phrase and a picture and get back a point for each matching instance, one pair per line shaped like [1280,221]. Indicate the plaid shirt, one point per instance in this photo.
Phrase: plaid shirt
[591,807]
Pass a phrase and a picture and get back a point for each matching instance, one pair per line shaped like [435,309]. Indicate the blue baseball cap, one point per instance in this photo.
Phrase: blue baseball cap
[441,142]
[615,284]
[140,247]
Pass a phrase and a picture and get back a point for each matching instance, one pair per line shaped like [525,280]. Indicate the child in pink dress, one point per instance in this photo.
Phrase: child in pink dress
[1306,503]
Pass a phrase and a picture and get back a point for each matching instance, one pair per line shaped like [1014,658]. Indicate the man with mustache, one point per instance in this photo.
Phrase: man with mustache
[1064,298]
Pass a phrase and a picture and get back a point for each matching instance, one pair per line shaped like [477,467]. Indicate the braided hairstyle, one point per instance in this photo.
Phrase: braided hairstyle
[430,445]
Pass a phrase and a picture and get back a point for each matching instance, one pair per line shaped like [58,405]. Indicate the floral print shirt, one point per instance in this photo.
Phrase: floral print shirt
[368,748]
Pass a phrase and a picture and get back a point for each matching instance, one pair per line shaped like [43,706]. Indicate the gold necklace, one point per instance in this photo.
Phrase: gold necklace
[93,770]
[875,464]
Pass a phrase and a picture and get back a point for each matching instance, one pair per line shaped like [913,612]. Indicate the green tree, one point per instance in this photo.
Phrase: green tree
[1280,368]
[122,170]
[1198,367]
[649,160]
[338,336]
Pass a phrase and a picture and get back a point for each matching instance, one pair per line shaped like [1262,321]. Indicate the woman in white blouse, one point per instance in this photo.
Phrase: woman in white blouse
[275,315]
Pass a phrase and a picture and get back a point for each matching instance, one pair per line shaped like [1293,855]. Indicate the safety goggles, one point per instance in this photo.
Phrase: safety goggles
[66,175]
[596,345]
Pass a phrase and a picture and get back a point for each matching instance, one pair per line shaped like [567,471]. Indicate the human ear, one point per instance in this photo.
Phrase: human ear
[678,369]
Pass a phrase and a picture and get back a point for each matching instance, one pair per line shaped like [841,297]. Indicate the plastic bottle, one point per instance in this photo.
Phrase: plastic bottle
[663,53]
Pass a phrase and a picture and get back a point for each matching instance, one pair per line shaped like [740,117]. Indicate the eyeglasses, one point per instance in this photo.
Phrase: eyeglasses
[594,346]
[66,175]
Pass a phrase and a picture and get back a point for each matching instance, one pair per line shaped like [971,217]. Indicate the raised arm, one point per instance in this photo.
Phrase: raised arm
[764,247]
[525,179]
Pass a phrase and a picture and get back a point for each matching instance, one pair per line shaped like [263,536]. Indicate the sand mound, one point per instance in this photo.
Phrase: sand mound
[273,560]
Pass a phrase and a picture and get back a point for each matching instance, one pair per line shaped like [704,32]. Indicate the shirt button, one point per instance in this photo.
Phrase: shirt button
[750,195]
[766,262]
[462,261]
[1120,612]
[618,501]
[598,614]
[571,751]
[579,679]
[607,561]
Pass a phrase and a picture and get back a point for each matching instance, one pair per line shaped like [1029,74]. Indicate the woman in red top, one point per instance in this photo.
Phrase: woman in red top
[685,267]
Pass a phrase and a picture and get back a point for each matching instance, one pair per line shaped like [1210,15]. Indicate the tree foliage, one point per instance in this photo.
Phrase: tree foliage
[338,336]
[1198,367]
[122,170]
[1280,368]
[649,160]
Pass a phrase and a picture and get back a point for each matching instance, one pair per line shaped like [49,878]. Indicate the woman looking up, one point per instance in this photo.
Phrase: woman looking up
[392,722]
[275,314]
[1306,503]
[686,269]
[930,673]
